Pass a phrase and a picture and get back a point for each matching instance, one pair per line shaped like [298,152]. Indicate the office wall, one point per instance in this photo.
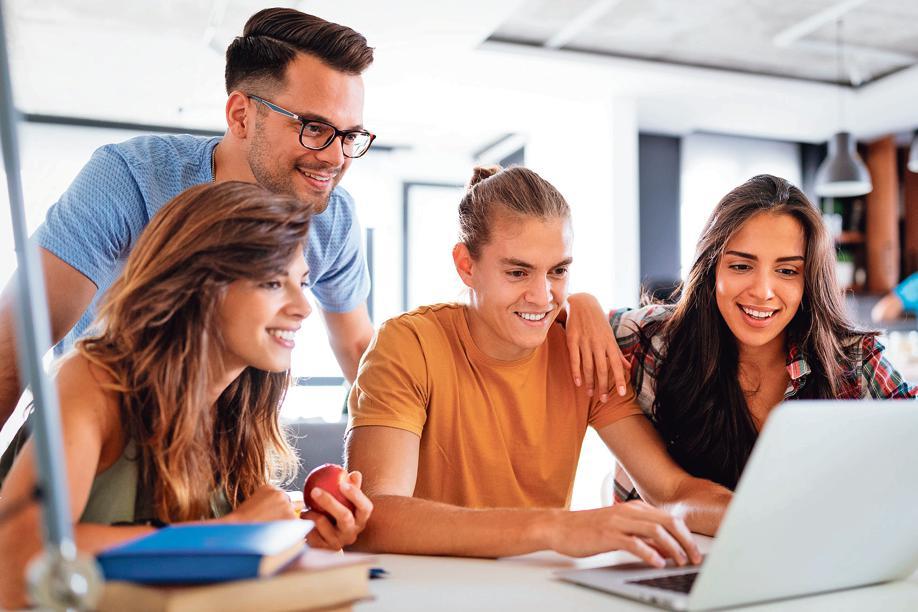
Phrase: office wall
[658,181]
[712,165]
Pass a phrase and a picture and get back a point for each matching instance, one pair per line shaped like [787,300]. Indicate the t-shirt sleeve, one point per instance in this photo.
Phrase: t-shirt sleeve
[392,382]
[346,283]
[97,218]
[907,291]
[614,409]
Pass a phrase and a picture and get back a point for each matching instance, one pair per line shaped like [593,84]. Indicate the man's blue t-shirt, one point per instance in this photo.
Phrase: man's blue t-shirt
[97,220]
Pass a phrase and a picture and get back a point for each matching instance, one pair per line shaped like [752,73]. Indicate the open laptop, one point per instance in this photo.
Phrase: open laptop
[828,501]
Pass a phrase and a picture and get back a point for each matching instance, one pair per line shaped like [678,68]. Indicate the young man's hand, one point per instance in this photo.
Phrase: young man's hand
[639,528]
[343,531]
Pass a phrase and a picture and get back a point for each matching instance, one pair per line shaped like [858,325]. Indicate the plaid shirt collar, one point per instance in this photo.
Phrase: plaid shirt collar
[797,368]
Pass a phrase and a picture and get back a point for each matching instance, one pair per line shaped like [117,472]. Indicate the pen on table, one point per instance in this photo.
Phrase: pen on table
[378,572]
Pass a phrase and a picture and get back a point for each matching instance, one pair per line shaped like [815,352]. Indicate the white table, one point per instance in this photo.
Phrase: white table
[444,584]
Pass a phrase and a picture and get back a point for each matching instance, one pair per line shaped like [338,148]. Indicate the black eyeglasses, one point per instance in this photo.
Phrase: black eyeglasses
[316,135]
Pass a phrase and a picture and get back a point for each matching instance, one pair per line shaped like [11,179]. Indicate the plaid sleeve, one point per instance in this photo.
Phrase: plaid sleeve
[625,322]
[880,377]
[626,335]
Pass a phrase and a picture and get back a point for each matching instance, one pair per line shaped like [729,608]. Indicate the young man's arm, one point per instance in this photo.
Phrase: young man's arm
[349,334]
[388,459]
[660,480]
[68,295]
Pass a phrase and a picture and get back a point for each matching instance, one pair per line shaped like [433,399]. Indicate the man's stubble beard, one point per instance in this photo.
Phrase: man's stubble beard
[264,169]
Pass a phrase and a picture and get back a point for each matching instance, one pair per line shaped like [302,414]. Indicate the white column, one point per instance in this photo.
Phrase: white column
[594,165]
[593,162]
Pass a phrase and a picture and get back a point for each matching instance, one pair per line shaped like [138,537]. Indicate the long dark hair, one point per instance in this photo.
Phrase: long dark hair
[157,337]
[700,409]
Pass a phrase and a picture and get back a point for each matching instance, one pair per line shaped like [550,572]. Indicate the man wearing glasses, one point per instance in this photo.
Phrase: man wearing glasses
[294,123]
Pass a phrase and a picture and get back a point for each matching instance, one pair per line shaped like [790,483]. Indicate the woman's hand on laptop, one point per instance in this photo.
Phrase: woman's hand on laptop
[647,532]
[347,525]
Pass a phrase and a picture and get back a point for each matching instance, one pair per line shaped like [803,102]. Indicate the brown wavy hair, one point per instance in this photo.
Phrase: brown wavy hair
[157,336]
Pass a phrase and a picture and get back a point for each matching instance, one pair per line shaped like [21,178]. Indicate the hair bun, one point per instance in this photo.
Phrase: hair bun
[480,173]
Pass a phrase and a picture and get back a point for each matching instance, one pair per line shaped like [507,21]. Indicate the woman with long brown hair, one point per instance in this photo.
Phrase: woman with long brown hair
[760,319]
[170,406]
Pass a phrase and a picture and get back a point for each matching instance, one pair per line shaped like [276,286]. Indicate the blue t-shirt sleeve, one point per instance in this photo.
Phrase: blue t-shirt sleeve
[907,291]
[97,219]
[346,283]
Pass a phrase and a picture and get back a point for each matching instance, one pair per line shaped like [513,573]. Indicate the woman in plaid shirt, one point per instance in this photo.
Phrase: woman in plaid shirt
[760,320]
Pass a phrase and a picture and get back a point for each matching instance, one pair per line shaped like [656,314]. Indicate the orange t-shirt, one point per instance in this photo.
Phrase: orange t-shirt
[494,434]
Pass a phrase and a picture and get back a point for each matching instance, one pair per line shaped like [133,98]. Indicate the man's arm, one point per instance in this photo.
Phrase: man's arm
[68,294]
[660,480]
[388,459]
[349,334]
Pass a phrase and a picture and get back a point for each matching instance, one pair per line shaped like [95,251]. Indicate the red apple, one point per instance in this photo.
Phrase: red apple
[328,477]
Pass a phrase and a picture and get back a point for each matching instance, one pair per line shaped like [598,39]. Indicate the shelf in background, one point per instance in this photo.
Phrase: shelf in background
[849,237]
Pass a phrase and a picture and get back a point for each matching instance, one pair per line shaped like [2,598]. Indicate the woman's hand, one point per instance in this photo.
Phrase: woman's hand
[267,503]
[592,346]
[347,525]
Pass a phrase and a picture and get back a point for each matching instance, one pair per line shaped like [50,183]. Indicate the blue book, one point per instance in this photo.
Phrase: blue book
[207,552]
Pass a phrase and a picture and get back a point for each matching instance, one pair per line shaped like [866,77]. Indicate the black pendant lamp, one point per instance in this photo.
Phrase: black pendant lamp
[842,173]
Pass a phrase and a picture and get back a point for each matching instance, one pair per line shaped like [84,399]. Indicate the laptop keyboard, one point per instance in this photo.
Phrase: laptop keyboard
[681,583]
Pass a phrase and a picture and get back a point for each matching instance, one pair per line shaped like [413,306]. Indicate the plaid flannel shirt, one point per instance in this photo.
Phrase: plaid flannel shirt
[873,377]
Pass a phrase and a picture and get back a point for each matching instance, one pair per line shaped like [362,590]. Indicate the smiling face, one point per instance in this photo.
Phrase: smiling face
[258,318]
[518,283]
[760,280]
[312,90]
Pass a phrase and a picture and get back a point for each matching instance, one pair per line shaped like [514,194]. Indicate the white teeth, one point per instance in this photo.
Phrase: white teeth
[317,177]
[757,314]
[532,316]
[283,334]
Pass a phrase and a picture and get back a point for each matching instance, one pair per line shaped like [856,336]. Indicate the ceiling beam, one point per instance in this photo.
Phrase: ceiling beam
[831,14]
[579,23]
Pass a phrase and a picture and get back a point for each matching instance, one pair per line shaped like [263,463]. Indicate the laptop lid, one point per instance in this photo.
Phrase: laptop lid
[828,501]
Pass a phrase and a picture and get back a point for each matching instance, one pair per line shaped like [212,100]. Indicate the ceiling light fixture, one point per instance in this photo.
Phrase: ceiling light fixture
[842,173]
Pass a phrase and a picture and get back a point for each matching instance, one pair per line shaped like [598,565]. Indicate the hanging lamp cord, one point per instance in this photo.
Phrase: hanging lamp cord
[842,81]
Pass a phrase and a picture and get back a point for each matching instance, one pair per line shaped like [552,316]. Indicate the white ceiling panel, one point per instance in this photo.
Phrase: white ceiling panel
[438,82]
[880,35]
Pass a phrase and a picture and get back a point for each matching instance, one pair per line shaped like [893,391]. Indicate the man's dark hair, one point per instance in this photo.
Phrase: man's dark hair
[272,37]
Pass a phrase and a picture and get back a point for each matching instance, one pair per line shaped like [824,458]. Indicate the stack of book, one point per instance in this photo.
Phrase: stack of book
[253,566]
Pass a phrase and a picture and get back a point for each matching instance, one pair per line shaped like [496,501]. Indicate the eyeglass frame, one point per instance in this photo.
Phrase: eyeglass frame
[303,121]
